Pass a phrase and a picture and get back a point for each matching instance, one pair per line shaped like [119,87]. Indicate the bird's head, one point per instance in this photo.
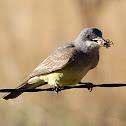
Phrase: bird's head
[92,37]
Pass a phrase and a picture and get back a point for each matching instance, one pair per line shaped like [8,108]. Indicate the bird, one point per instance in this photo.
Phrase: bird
[68,64]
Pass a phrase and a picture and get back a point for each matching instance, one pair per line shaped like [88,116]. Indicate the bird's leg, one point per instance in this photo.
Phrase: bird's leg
[57,88]
[89,85]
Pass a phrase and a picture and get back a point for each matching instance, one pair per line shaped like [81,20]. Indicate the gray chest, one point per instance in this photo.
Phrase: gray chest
[87,60]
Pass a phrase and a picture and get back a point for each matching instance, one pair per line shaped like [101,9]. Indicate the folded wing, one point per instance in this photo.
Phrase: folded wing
[56,61]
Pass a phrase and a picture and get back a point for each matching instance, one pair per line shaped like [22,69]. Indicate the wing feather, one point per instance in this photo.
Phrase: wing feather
[57,60]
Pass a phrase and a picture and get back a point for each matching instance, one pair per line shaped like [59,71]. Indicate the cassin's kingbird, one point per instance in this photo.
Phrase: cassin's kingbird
[68,64]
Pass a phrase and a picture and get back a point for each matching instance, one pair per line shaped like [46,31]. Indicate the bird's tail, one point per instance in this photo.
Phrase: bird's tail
[25,85]
[15,94]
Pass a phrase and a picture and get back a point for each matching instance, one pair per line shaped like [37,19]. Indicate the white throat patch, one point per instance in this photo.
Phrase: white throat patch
[90,44]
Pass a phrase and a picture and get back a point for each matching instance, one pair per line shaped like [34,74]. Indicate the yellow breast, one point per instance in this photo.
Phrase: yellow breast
[69,75]
[64,77]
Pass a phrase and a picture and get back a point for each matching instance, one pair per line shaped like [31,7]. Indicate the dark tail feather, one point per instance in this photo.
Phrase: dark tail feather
[12,95]
[25,85]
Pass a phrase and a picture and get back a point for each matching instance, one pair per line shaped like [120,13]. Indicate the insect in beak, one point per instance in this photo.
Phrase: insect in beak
[106,43]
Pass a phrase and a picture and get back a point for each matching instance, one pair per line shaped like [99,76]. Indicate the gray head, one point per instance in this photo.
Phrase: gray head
[90,38]
[89,34]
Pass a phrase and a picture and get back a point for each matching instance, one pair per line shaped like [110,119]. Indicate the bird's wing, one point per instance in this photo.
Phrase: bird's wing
[57,60]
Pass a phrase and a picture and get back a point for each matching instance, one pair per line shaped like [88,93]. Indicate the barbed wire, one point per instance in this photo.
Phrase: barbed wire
[89,86]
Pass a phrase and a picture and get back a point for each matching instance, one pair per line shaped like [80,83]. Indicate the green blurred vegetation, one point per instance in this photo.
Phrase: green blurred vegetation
[30,30]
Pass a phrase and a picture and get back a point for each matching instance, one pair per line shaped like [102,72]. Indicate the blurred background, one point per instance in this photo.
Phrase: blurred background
[30,30]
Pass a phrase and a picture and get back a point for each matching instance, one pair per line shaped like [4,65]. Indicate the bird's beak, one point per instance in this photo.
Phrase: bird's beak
[106,43]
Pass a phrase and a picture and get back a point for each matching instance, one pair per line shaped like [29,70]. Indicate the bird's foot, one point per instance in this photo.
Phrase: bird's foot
[57,88]
[89,86]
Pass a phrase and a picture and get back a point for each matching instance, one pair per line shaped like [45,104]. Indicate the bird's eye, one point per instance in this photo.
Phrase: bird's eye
[88,36]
